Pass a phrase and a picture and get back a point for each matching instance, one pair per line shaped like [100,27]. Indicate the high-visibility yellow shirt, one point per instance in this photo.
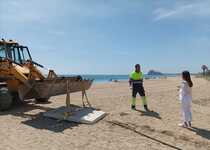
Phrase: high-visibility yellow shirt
[136,76]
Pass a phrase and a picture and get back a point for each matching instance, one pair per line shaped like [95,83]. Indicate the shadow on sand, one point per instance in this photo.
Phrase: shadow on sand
[150,113]
[201,132]
[37,120]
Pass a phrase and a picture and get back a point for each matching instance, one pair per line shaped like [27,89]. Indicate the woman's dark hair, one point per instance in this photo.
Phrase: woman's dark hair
[186,77]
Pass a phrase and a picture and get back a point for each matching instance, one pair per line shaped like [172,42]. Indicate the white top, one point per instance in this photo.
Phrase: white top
[185,93]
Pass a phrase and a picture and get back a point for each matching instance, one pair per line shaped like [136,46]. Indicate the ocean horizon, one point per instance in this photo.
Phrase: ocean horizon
[104,78]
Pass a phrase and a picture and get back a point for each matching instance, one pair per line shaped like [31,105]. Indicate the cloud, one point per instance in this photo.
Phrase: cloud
[24,11]
[196,9]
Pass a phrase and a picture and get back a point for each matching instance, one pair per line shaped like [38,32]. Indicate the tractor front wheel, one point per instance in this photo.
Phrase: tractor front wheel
[16,99]
[5,99]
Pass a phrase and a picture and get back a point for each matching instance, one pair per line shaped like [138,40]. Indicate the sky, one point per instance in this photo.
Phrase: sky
[111,36]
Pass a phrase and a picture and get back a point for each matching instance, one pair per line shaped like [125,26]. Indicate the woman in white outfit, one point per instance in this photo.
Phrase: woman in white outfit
[185,95]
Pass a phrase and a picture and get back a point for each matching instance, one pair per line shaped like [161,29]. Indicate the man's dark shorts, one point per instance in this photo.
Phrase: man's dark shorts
[138,88]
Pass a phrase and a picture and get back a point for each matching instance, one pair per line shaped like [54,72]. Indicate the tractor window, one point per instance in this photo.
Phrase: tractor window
[24,54]
[15,55]
[2,52]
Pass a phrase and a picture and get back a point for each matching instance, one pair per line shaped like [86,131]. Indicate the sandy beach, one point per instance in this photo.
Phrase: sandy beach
[25,128]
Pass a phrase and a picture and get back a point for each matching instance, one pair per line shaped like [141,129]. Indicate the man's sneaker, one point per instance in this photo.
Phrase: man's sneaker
[184,125]
[133,107]
[146,108]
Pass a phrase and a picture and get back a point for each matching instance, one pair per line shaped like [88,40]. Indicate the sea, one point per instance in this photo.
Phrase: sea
[115,78]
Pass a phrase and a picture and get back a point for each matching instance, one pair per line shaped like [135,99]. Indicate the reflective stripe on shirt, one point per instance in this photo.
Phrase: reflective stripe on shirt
[137,82]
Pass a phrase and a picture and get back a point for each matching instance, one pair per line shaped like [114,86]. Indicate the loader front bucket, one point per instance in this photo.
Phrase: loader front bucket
[53,87]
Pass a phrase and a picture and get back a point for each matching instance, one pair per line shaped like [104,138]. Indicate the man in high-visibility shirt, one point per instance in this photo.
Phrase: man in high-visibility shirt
[136,83]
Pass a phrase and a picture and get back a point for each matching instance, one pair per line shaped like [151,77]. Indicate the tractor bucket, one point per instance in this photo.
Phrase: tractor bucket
[53,87]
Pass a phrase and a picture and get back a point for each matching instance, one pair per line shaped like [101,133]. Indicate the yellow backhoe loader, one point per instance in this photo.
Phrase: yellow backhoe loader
[20,78]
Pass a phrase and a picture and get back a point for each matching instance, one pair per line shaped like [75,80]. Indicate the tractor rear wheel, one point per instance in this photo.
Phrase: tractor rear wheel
[5,99]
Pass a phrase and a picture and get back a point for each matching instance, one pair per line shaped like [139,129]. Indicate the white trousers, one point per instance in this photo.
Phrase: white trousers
[186,110]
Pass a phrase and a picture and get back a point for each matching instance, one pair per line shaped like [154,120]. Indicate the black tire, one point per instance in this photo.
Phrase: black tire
[5,99]
[42,100]
[16,99]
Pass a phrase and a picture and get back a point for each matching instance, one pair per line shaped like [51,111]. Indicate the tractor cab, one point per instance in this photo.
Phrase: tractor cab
[12,51]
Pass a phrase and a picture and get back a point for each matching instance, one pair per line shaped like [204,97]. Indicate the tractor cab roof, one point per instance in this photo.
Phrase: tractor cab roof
[8,42]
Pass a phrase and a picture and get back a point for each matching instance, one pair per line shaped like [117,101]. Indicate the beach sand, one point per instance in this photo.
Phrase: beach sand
[25,128]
